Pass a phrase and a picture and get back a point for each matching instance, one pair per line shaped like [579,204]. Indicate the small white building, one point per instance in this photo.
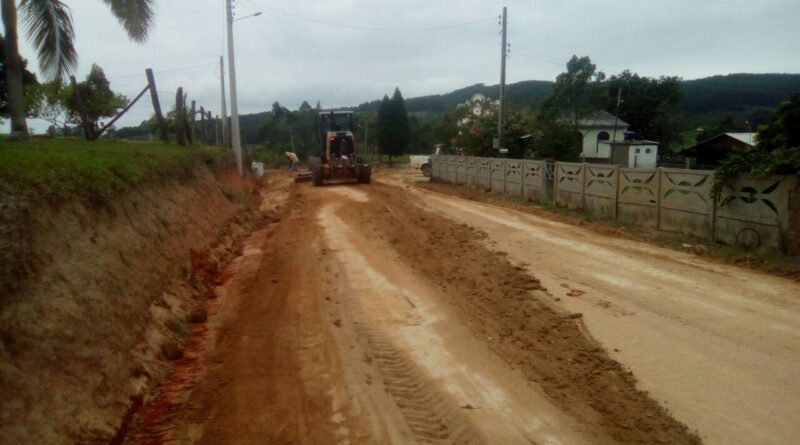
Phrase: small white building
[633,154]
[597,128]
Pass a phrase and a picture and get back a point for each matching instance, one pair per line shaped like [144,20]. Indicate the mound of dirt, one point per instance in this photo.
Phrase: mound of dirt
[89,332]
[503,304]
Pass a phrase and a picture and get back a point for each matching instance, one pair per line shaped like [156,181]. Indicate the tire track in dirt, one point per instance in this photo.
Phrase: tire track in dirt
[429,415]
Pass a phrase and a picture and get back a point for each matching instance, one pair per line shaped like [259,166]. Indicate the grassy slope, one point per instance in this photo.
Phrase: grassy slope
[61,168]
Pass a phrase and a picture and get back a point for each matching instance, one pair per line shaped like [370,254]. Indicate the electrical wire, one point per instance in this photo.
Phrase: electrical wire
[172,70]
[372,28]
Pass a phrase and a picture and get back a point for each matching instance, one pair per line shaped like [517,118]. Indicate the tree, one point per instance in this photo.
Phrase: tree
[650,106]
[305,107]
[29,82]
[392,126]
[53,106]
[383,125]
[49,27]
[577,93]
[98,100]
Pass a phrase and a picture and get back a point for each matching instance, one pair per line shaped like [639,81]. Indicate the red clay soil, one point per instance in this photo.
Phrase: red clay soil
[501,302]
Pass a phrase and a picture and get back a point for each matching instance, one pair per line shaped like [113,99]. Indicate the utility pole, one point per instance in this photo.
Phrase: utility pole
[225,140]
[616,115]
[235,136]
[501,111]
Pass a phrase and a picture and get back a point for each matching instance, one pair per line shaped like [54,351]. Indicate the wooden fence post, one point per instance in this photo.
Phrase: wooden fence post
[180,123]
[208,131]
[193,121]
[162,125]
[202,125]
[217,132]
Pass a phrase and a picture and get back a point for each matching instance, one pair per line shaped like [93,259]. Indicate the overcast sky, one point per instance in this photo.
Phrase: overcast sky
[303,49]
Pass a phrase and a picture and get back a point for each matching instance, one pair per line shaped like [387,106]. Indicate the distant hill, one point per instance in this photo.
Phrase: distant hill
[717,94]
[705,102]
[528,92]
[737,92]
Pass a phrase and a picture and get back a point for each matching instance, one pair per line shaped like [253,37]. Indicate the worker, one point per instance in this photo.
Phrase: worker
[294,161]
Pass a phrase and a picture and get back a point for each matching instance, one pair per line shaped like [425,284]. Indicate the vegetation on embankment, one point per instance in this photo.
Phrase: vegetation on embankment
[57,169]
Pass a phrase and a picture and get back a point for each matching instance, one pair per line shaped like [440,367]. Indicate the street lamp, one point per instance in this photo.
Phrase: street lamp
[255,14]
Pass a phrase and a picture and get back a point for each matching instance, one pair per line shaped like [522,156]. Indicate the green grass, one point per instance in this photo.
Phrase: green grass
[63,168]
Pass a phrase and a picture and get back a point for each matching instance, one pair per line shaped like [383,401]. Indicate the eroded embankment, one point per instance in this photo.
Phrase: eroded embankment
[503,304]
[88,333]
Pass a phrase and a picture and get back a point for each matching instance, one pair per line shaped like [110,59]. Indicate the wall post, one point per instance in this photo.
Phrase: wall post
[659,174]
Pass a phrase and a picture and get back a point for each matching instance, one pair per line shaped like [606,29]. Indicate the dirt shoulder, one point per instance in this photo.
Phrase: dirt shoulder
[90,331]
[785,266]
[509,308]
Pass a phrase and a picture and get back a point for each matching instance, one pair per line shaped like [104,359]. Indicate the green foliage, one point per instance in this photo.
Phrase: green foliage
[555,141]
[651,106]
[577,92]
[29,82]
[61,168]
[53,105]
[98,99]
[777,151]
[392,125]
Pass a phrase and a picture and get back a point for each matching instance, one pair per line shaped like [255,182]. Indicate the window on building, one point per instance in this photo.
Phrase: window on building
[602,136]
[637,151]
[647,150]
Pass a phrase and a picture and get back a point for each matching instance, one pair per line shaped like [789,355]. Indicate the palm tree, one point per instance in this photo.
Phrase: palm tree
[48,24]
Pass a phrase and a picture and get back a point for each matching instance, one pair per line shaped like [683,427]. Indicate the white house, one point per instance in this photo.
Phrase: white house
[596,128]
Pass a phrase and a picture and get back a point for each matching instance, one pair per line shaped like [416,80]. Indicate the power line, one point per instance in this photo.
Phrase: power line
[172,70]
[371,28]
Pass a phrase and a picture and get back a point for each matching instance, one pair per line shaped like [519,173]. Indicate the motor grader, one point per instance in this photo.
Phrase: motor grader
[338,160]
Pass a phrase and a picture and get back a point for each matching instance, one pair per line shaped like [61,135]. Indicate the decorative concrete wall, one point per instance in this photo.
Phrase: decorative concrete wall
[600,191]
[569,180]
[756,212]
[637,201]
[498,175]
[533,180]
[484,174]
[753,213]
[686,205]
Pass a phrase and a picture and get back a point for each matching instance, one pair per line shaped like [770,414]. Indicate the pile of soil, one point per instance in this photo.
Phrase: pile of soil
[89,332]
[503,304]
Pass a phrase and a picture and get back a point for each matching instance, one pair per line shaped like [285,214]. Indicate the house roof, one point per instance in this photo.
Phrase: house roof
[747,138]
[633,142]
[602,119]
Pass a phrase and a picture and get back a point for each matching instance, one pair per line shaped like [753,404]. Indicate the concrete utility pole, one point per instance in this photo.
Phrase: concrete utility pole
[501,111]
[225,140]
[616,115]
[235,135]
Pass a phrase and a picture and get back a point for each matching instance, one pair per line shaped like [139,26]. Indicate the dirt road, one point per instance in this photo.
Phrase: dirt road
[388,314]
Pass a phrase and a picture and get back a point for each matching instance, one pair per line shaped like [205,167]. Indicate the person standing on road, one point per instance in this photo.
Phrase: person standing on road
[294,161]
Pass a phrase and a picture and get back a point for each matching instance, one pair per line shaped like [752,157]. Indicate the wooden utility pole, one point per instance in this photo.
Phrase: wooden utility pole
[180,122]
[162,125]
[501,111]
